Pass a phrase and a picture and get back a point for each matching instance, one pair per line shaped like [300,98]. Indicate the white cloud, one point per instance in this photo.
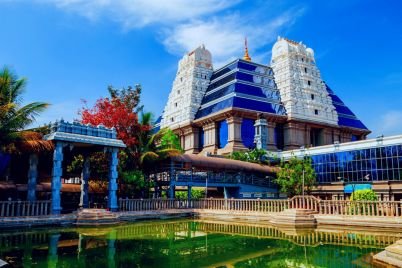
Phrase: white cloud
[224,36]
[186,24]
[391,123]
[139,13]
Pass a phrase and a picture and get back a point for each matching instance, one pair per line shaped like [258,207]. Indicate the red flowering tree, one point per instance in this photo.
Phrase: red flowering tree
[119,111]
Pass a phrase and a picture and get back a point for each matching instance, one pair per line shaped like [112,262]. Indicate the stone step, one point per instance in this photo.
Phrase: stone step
[93,217]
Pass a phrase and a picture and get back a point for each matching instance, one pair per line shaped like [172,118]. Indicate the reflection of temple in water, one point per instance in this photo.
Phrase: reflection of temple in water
[208,243]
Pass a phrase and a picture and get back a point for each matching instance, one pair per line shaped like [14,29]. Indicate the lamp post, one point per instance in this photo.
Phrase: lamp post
[206,186]
[303,183]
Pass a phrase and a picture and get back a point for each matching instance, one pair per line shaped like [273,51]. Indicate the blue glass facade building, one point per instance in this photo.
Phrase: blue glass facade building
[375,163]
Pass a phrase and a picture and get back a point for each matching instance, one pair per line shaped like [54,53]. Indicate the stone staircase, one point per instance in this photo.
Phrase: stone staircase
[298,218]
[95,217]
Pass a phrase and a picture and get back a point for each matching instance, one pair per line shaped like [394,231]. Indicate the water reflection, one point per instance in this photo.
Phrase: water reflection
[188,243]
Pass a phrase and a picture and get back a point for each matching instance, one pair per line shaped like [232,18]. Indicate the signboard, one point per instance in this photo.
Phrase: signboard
[349,188]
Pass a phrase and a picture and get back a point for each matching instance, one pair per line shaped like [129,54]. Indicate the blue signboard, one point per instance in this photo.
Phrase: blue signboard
[349,188]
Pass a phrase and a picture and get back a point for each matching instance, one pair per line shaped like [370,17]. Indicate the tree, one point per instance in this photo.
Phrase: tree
[119,111]
[290,176]
[15,117]
[364,195]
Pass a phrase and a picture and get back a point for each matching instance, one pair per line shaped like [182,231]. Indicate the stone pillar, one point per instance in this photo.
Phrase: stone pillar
[210,136]
[327,136]
[261,133]
[271,145]
[294,137]
[234,136]
[57,172]
[84,200]
[191,138]
[32,176]
[112,198]
[52,258]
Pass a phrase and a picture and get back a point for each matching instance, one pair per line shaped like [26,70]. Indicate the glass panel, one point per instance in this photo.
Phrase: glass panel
[248,132]
[223,134]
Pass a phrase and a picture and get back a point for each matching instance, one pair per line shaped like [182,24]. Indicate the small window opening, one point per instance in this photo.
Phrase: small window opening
[316,111]
[312,96]
[305,69]
[309,82]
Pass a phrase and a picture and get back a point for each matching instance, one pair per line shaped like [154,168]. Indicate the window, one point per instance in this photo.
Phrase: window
[312,96]
[309,82]
[316,112]
[305,69]
[175,104]
[178,92]
[171,119]
[181,79]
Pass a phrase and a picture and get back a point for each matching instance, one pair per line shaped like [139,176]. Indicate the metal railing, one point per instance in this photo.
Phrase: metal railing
[24,208]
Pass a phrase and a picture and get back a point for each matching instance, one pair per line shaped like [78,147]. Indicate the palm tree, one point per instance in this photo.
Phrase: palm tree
[15,117]
[156,146]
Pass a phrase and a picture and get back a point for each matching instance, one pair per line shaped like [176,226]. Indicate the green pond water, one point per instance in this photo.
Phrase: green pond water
[190,243]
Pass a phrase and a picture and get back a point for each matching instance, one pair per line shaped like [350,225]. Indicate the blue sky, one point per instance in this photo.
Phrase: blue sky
[73,49]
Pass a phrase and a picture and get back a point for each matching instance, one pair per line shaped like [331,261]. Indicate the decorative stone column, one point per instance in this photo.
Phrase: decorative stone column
[84,183]
[234,136]
[271,145]
[32,176]
[261,133]
[294,136]
[191,138]
[57,172]
[210,135]
[113,162]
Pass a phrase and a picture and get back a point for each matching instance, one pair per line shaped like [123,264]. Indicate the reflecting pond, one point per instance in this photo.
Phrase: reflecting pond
[191,243]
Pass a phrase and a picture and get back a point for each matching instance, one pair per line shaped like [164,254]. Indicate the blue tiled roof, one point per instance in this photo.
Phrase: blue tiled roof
[346,117]
[242,84]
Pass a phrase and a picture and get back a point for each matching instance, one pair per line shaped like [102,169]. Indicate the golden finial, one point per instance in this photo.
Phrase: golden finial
[246,56]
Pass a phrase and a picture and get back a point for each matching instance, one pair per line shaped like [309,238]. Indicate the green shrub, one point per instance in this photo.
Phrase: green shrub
[364,195]
[195,194]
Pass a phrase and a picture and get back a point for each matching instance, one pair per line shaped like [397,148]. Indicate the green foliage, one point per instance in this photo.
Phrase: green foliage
[290,176]
[364,195]
[254,156]
[195,194]
[170,140]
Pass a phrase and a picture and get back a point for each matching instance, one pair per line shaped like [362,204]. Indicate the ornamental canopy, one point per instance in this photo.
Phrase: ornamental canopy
[78,133]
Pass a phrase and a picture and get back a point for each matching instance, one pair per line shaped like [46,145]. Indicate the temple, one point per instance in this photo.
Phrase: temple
[282,106]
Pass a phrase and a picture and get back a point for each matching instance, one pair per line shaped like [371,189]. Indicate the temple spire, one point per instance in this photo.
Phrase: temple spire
[246,55]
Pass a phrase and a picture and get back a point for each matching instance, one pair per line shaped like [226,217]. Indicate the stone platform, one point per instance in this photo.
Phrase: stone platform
[391,256]
[94,217]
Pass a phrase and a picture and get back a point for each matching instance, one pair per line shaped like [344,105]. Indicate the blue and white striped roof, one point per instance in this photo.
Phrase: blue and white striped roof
[346,118]
[242,84]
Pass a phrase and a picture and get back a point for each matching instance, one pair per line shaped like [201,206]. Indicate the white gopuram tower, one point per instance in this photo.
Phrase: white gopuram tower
[191,82]
[299,82]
